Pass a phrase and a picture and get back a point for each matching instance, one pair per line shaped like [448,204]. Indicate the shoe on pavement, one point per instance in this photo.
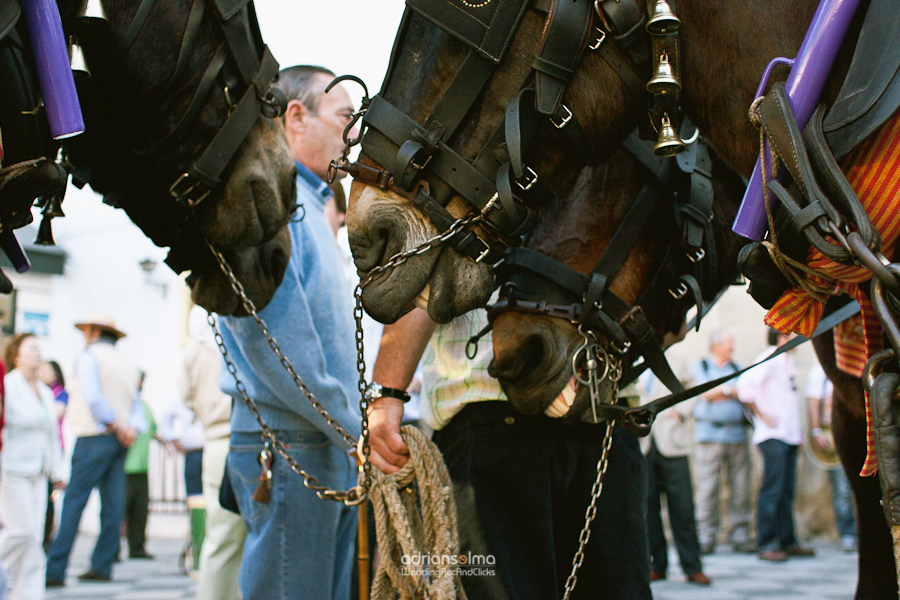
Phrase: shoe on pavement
[94,576]
[699,578]
[55,583]
[800,551]
[746,547]
[143,554]
[848,543]
[776,555]
[657,575]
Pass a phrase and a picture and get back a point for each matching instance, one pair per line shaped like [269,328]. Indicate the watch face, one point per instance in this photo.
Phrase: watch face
[373,392]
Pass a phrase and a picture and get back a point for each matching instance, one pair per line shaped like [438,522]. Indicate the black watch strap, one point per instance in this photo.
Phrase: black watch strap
[377,391]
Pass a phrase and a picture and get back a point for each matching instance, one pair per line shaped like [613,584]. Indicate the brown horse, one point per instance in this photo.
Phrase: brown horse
[152,105]
[726,47]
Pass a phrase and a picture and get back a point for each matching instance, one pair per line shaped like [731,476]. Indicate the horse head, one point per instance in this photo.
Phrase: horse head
[541,320]
[588,63]
[186,139]
[458,115]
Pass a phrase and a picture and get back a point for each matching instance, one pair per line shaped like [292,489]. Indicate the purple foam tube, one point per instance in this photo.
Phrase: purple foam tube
[51,55]
[804,87]
[14,251]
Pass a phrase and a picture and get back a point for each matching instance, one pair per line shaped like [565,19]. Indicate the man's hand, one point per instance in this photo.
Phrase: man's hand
[388,450]
[125,435]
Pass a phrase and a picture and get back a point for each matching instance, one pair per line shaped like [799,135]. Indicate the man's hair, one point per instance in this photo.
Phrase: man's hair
[718,336]
[11,352]
[299,83]
[108,335]
[773,336]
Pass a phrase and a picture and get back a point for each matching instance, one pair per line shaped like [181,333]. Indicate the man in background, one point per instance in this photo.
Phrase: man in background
[721,433]
[105,415]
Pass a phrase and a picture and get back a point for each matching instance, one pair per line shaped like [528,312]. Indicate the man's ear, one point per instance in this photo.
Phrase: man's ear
[295,116]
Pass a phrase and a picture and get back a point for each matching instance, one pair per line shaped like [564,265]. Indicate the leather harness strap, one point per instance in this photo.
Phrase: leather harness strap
[241,62]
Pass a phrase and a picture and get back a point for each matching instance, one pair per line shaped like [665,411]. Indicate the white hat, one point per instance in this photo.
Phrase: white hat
[101,321]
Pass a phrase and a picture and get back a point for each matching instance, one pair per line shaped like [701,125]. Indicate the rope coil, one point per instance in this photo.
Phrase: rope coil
[408,538]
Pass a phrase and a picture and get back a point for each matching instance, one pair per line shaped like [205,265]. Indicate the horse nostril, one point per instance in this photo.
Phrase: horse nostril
[522,362]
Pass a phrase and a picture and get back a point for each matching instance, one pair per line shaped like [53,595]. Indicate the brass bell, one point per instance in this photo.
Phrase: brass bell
[93,16]
[663,21]
[668,143]
[664,80]
[80,70]
[45,233]
[53,207]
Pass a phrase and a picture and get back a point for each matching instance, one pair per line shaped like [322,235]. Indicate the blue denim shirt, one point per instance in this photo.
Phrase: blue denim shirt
[721,421]
[311,317]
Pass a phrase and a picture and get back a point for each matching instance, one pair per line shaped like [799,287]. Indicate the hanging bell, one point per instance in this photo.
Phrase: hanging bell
[80,70]
[53,207]
[663,21]
[93,17]
[663,80]
[668,143]
[45,233]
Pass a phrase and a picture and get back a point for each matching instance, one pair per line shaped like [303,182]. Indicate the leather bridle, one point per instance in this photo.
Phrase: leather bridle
[536,284]
[242,68]
[414,158]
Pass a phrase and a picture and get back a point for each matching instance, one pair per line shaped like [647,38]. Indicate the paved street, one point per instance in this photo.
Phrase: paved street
[830,575]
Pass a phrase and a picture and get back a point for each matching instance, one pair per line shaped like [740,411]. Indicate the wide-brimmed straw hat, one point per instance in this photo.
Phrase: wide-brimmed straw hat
[104,322]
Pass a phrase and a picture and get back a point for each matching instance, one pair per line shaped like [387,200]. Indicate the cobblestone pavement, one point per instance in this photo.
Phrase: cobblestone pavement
[830,575]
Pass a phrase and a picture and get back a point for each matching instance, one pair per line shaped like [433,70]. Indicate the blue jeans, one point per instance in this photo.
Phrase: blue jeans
[844,517]
[672,477]
[775,519]
[97,462]
[297,546]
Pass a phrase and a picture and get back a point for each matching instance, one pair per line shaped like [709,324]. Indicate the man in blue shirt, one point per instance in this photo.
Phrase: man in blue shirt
[105,414]
[721,436]
[299,546]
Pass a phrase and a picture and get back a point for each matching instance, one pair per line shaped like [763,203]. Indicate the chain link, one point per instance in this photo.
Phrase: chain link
[358,494]
[591,511]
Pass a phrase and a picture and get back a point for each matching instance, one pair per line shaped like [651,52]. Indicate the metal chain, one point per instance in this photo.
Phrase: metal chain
[612,370]
[360,492]
[591,512]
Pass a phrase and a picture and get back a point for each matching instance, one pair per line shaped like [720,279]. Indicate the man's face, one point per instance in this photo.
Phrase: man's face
[725,348]
[320,137]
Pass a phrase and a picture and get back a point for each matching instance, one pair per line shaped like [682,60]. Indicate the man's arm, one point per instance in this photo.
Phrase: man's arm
[402,345]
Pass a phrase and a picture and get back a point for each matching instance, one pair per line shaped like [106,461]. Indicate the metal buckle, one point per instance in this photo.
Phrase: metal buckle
[601,37]
[184,195]
[530,178]
[495,199]
[565,119]
[697,255]
[484,253]
[679,292]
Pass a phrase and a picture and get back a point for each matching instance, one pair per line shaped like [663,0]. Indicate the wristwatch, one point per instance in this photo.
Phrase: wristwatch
[376,391]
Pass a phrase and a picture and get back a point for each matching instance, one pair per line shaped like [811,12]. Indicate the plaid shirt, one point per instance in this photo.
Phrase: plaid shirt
[449,379]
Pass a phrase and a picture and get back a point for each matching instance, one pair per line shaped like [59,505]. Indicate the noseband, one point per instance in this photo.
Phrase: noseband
[415,160]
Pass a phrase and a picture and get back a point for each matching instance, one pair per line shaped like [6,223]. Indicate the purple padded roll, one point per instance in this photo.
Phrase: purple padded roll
[13,249]
[51,55]
[804,87]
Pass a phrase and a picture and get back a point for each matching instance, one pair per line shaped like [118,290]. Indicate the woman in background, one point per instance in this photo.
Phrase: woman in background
[31,456]
[51,375]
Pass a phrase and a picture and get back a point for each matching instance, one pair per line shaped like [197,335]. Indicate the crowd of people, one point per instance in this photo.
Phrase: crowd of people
[520,482]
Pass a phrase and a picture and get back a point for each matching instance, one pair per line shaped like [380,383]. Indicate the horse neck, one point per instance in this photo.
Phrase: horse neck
[725,49]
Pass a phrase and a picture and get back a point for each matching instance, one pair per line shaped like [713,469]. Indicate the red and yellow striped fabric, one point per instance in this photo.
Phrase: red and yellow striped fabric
[873,169]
